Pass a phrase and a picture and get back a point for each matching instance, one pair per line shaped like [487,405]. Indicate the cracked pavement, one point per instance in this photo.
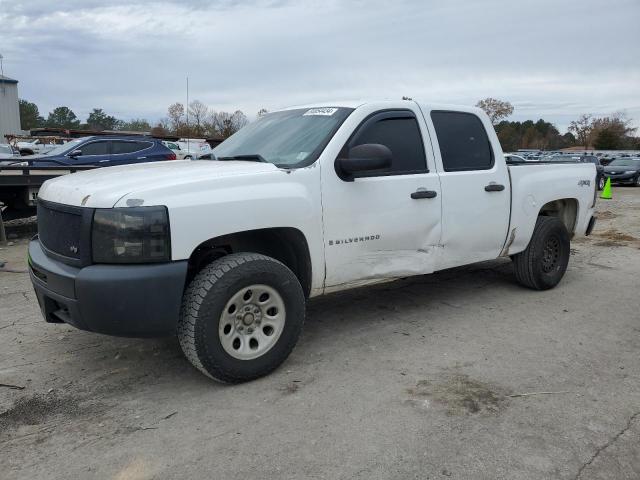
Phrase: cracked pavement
[458,375]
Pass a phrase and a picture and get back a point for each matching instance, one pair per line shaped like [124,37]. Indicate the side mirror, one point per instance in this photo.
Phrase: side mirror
[363,158]
[75,153]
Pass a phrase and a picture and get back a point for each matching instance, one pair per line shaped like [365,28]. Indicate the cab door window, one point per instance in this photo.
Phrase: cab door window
[400,132]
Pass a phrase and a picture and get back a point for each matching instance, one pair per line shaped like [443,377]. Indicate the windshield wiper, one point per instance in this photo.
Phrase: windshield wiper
[255,157]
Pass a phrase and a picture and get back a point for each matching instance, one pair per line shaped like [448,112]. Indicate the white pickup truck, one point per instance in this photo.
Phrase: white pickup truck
[302,202]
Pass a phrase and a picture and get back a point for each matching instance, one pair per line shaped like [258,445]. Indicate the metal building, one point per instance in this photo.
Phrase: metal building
[9,110]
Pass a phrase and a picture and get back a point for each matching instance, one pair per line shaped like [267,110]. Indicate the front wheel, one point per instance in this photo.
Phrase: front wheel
[542,264]
[637,182]
[241,316]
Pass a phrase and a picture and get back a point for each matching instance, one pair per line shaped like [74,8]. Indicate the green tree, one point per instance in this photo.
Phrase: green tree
[62,117]
[607,139]
[98,120]
[29,115]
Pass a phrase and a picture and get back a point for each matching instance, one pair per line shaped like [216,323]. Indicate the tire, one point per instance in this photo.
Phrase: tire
[188,157]
[637,182]
[601,182]
[542,264]
[209,330]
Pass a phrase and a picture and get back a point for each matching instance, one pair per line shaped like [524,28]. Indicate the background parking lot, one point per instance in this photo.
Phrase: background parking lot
[462,374]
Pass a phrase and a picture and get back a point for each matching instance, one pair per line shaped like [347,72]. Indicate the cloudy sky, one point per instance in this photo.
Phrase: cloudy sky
[551,59]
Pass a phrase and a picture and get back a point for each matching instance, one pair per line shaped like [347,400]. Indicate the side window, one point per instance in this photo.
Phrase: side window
[120,146]
[464,144]
[95,148]
[401,133]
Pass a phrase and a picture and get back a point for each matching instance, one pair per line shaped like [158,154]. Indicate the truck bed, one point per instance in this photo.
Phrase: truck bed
[534,185]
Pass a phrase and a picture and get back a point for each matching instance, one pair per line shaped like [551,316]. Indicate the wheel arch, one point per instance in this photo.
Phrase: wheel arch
[565,209]
[286,244]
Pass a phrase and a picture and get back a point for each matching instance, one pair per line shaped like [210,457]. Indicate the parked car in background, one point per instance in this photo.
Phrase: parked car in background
[513,159]
[193,149]
[37,146]
[20,179]
[624,170]
[175,148]
[7,152]
[600,179]
[560,158]
[105,151]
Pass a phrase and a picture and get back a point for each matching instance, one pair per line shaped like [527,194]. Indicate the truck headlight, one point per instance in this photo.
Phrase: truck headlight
[131,235]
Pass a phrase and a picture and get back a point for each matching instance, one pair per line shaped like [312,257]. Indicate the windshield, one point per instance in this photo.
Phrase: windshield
[289,138]
[626,162]
[62,149]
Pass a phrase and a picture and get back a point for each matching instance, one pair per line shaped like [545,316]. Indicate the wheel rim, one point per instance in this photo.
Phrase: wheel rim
[252,322]
[551,254]
[601,183]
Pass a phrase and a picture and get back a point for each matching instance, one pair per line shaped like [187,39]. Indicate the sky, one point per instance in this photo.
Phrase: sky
[552,59]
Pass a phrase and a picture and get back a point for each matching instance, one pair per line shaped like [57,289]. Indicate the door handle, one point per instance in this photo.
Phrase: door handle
[494,187]
[424,194]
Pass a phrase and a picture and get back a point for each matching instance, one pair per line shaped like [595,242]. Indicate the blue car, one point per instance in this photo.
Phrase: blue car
[104,151]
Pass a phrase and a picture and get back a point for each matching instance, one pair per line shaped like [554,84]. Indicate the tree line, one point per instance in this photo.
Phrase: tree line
[202,120]
[613,132]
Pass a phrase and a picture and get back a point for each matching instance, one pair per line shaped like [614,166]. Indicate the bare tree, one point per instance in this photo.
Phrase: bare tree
[496,109]
[262,112]
[226,124]
[175,113]
[198,111]
[582,128]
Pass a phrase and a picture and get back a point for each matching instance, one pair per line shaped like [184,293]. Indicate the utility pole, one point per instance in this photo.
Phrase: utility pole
[188,147]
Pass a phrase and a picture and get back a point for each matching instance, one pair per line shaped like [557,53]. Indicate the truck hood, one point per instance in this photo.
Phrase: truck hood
[103,187]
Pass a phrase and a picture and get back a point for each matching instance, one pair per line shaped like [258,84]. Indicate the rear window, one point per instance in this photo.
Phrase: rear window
[464,144]
[119,146]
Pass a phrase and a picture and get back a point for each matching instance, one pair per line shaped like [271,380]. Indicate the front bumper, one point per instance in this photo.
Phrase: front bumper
[622,178]
[122,300]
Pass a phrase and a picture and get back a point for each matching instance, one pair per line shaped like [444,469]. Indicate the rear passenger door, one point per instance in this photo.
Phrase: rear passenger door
[476,190]
[130,151]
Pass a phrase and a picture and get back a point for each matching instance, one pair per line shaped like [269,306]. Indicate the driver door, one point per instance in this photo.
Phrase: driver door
[383,224]
[94,153]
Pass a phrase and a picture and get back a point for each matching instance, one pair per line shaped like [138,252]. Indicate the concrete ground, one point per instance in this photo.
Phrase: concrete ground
[461,375]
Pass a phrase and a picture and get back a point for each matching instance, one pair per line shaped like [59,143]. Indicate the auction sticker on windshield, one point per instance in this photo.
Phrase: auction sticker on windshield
[320,111]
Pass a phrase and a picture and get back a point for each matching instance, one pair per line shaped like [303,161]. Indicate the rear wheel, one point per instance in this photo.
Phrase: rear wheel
[241,316]
[543,263]
[637,182]
[601,182]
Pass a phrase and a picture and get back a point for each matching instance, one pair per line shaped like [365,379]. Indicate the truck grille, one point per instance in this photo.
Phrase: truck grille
[64,230]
